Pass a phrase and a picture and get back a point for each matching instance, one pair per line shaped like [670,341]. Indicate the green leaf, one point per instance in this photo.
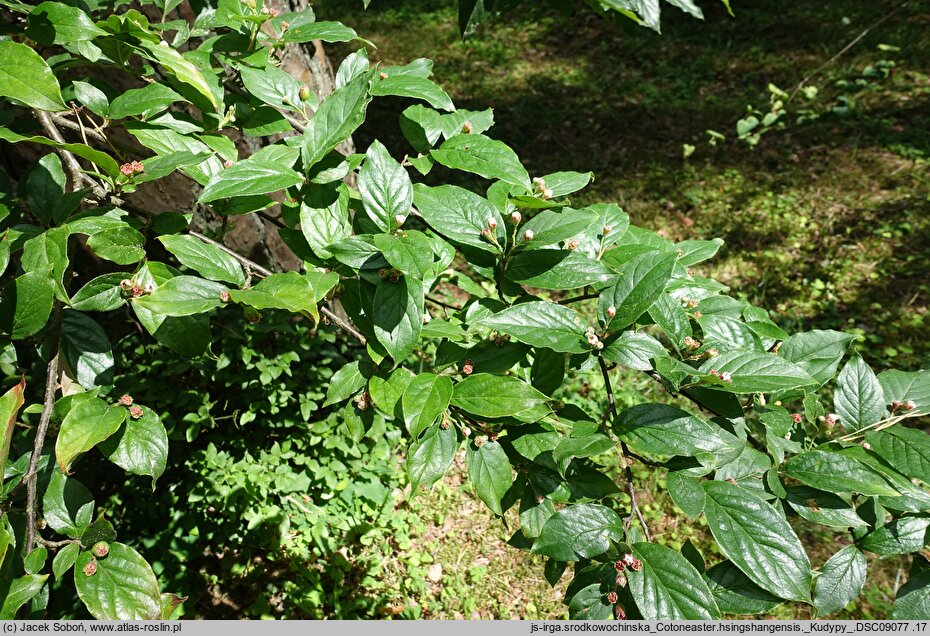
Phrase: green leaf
[289,291]
[735,593]
[489,471]
[579,531]
[550,227]
[589,603]
[147,101]
[409,252]
[642,281]
[841,581]
[184,296]
[10,404]
[385,187]
[757,540]
[557,269]
[205,259]
[907,449]
[46,187]
[65,559]
[429,457]
[103,160]
[668,587]
[123,587]
[336,118]
[907,387]
[483,156]
[24,76]
[899,536]
[825,508]
[346,382]
[100,294]
[272,86]
[407,85]
[635,350]
[668,313]
[693,252]
[183,69]
[913,599]
[398,316]
[92,97]
[858,400]
[756,372]
[122,245]
[86,348]
[541,324]
[29,300]
[21,591]
[140,446]
[457,214]
[585,441]
[425,399]
[86,425]
[662,430]
[58,23]
[323,30]
[686,493]
[387,388]
[249,177]
[487,395]
[67,506]
[835,472]
[817,352]
[548,371]
[100,530]
[535,511]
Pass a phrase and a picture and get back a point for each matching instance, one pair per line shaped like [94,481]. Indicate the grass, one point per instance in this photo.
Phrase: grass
[826,222]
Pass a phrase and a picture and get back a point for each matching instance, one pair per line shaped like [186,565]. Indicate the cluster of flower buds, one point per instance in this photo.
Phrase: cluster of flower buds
[363,401]
[724,377]
[134,289]
[540,185]
[691,343]
[690,303]
[130,169]
[902,406]
[224,296]
[445,424]
[272,12]
[593,340]
[830,420]
[620,580]
[516,217]
[632,562]
[468,367]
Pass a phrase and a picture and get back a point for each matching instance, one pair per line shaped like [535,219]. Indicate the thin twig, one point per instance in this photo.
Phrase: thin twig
[264,215]
[436,301]
[627,471]
[64,122]
[568,301]
[77,173]
[54,544]
[264,271]
[31,476]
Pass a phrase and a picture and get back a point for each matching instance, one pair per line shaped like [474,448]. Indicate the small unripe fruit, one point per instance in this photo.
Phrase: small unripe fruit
[304,93]
[137,291]
[619,566]
[227,164]
[620,580]
[467,128]
[126,400]
[636,565]
[135,412]
[481,440]
[866,446]
[797,418]
[606,229]
[101,549]
[91,568]
[468,368]
[619,612]
[546,194]
[909,406]
[612,597]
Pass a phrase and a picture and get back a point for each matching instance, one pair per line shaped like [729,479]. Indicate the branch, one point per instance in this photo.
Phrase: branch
[264,271]
[54,544]
[31,476]
[568,301]
[64,122]
[627,471]
[77,173]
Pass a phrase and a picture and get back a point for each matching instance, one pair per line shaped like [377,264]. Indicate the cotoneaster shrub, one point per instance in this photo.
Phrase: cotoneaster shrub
[474,308]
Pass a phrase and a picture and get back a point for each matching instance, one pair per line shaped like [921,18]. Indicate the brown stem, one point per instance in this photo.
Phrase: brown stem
[77,173]
[54,545]
[627,471]
[436,301]
[31,476]
[568,301]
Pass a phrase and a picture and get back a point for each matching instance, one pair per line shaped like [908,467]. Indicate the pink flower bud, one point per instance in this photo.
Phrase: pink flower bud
[612,597]
[135,412]
[126,169]
[467,128]
[516,217]
[399,219]
[126,400]
[796,418]
[224,296]
[528,235]
[909,405]
[611,311]
[492,223]
[126,285]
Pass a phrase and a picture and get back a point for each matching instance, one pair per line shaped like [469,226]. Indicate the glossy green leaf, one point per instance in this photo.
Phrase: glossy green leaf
[661,430]
[483,156]
[183,296]
[907,387]
[457,214]
[490,473]
[30,303]
[818,352]
[757,540]
[840,581]
[686,493]
[557,269]
[86,349]
[899,536]
[146,101]
[549,227]
[100,294]
[336,118]
[249,177]
[387,388]
[858,400]
[24,76]
[757,372]
[289,291]
[86,425]
[590,604]
[385,187]
[425,399]
[21,591]
[825,508]
[67,506]
[10,403]
[205,259]
[409,252]
[407,85]
[122,245]
[103,160]
[58,23]
[46,186]
[912,601]
[642,281]
[735,593]
[429,457]
[668,587]
[272,86]
[398,316]
[323,30]
[835,472]
[346,382]
[487,395]
[907,449]
[635,350]
[123,587]
[541,324]
[579,531]
[64,559]
[182,68]
[140,446]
